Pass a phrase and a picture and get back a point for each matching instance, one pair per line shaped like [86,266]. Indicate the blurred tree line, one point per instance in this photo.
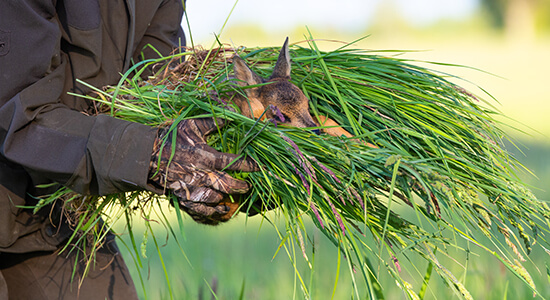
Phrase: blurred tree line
[518,19]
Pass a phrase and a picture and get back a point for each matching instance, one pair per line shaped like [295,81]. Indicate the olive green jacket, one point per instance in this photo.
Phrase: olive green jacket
[45,45]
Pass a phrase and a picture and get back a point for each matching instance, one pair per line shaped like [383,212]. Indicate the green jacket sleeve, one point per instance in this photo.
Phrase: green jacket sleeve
[42,52]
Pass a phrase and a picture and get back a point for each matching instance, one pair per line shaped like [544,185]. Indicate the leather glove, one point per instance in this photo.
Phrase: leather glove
[194,173]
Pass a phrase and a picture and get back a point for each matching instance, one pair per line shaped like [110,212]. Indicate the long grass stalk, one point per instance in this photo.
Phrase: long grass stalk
[439,167]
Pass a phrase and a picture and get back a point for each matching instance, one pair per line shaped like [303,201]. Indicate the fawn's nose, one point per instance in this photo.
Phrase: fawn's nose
[307,122]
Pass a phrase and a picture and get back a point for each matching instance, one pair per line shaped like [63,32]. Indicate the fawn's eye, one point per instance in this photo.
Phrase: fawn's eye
[283,118]
[287,118]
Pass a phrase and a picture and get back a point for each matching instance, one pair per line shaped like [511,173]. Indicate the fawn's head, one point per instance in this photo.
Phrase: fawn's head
[278,91]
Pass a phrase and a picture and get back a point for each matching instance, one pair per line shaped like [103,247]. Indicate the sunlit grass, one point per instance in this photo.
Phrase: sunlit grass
[438,148]
[413,197]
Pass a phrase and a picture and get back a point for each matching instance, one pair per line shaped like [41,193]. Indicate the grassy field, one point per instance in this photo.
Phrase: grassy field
[236,260]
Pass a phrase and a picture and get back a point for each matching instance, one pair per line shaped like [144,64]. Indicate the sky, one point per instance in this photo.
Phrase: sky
[207,17]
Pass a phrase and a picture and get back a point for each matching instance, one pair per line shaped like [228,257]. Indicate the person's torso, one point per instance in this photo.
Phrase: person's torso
[96,43]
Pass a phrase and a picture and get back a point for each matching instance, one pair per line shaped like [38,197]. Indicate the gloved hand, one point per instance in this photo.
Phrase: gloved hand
[194,173]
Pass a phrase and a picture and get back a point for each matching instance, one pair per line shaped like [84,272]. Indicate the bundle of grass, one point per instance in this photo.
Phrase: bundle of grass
[437,172]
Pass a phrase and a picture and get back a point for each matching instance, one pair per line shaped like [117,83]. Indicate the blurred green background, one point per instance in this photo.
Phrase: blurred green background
[507,45]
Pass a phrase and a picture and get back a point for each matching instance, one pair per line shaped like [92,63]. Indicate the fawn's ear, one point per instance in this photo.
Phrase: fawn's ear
[282,67]
[244,74]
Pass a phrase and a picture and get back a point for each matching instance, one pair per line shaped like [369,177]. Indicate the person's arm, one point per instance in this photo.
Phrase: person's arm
[91,155]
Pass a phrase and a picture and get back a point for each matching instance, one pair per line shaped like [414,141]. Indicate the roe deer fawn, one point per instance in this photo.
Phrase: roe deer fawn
[279,92]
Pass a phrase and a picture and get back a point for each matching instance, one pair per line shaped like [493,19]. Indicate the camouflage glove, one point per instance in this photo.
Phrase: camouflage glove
[194,174]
